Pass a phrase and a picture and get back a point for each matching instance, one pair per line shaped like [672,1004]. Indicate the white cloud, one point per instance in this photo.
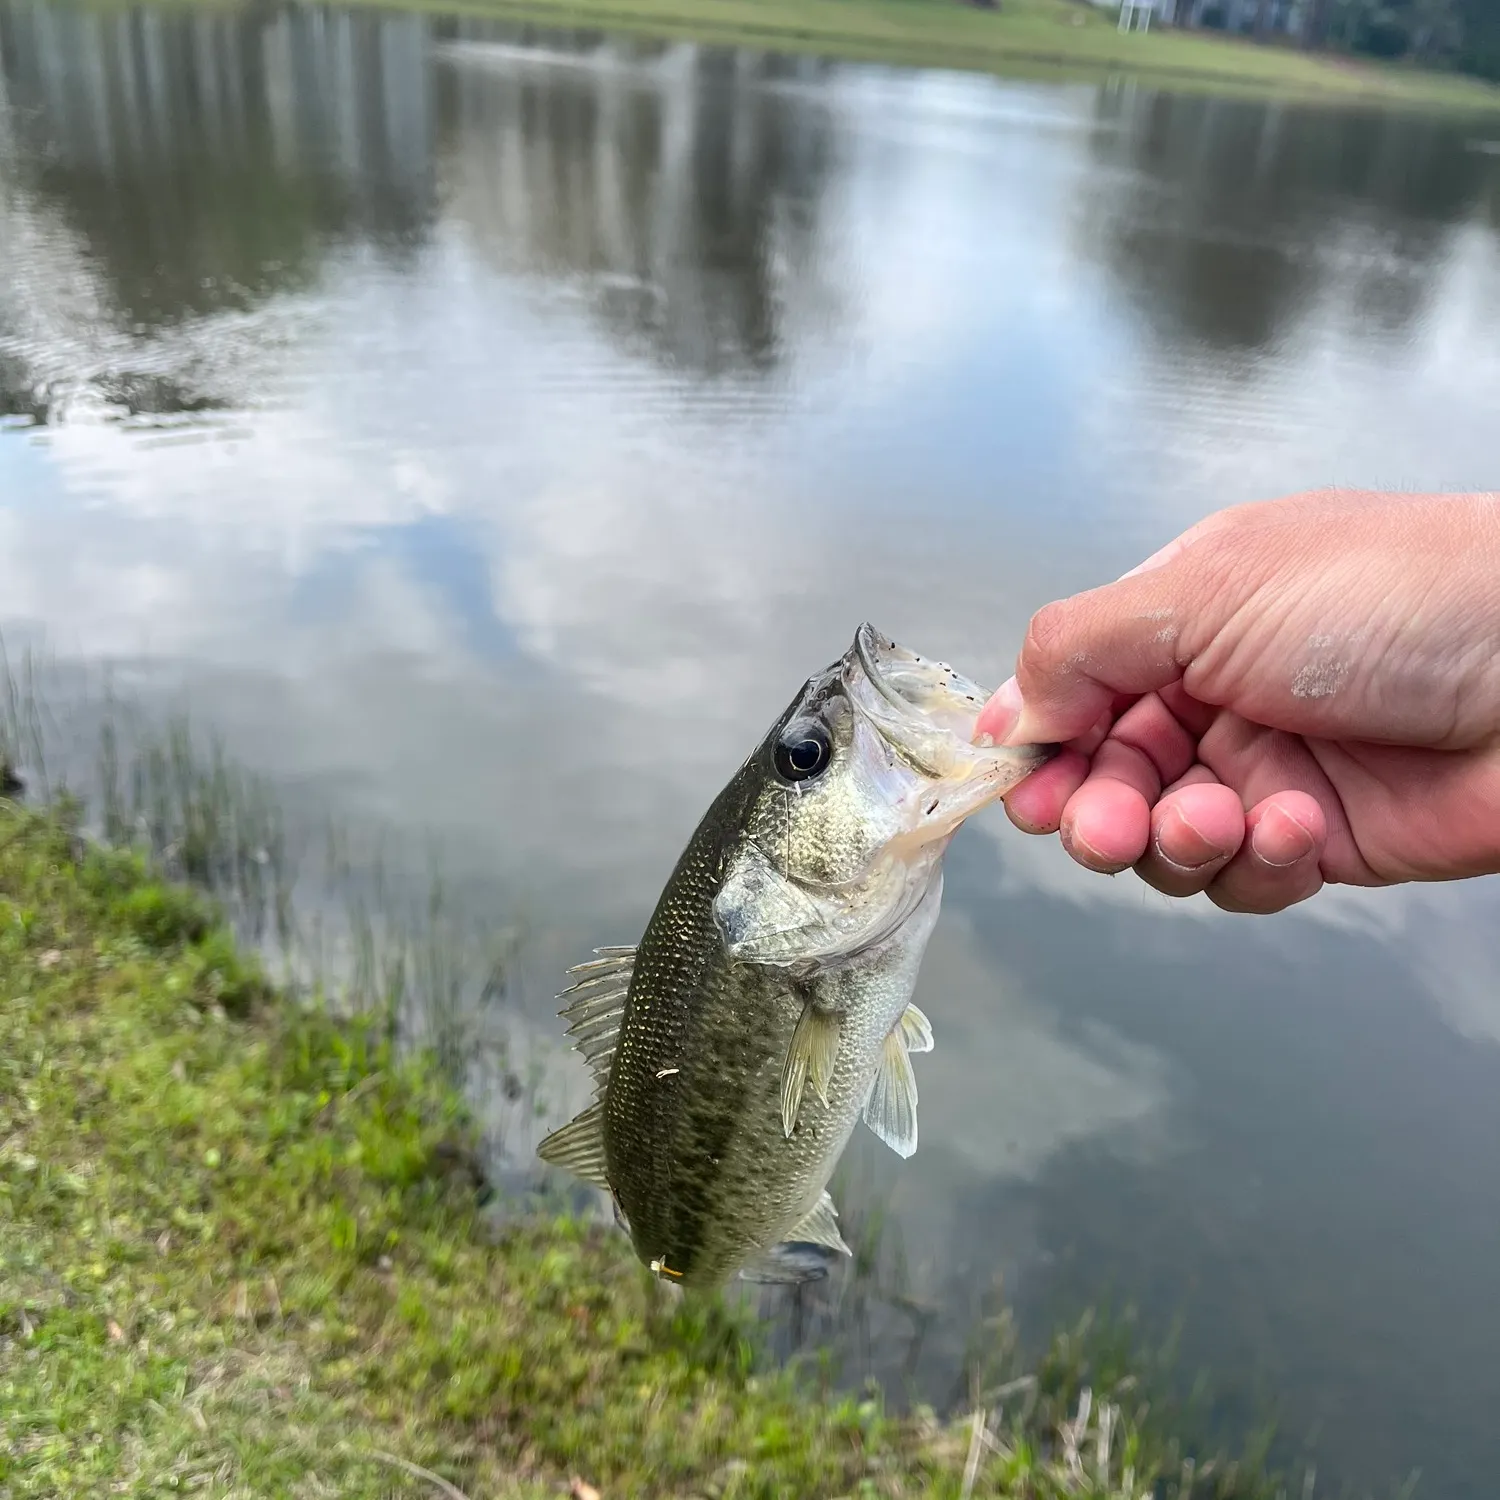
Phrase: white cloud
[1003,1086]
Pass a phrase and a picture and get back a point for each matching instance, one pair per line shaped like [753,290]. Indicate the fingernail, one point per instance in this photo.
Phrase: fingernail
[1000,715]
[1209,854]
[1082,852]
[1279,840]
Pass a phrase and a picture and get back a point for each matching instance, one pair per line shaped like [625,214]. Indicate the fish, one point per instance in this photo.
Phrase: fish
[767,1008]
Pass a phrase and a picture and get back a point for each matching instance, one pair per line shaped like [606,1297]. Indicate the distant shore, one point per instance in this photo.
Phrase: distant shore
[1054,40]
[1040,37]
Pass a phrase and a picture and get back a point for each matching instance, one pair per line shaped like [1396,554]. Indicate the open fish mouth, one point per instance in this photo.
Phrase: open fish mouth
[912,684]
[926,711]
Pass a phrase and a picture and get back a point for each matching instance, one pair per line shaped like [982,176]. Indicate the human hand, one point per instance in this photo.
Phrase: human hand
[1291,693]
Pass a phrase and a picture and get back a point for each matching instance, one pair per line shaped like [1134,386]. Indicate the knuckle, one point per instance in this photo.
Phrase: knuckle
[1046,645]
[1225,562]
[1116,760]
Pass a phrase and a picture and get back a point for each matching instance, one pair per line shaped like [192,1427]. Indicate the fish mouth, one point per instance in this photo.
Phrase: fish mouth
[914,684]
[927,711]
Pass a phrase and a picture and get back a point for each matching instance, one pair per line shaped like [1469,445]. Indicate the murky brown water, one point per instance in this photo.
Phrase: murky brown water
[489,431]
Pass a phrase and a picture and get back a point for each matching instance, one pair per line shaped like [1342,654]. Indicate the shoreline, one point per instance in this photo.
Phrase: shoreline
[1045,40]
[1060,40]
[244,1252]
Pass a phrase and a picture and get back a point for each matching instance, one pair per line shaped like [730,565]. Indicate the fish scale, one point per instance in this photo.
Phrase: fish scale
[767,1007]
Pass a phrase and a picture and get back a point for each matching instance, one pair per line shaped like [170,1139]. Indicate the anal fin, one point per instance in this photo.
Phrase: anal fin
[891,1110]
[820,1227]
[814,1050]
[786,1267]
[578,1147]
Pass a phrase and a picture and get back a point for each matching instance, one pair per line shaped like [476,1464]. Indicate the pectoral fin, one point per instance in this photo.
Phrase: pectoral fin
[812,1054]
[891,1110]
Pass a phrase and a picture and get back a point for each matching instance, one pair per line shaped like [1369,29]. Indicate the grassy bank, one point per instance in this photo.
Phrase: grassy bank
[1048,39]
[240,1254]
[1024,35]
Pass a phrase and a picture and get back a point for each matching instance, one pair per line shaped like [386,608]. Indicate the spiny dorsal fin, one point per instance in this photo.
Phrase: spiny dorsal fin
[814,1050]
[597,976]
[598,1000]
[579,1146]
[916,1030]
[891,1110]
[597,1006]
[820,1227]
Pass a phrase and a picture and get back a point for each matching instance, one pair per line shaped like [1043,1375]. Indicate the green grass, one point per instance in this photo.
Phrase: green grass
[1064,36]
[241,1254]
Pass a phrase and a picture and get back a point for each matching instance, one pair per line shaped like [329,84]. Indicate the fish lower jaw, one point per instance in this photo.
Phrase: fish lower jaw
[932,815]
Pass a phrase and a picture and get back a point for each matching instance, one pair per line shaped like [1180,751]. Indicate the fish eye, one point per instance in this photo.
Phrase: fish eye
[803,750]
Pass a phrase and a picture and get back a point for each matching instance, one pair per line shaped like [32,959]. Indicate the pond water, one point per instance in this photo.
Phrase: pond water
[488,430]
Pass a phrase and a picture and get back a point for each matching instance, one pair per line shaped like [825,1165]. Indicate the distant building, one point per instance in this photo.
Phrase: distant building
[1284,17]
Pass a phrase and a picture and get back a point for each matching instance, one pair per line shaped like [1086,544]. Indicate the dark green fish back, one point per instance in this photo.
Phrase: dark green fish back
[688,1010]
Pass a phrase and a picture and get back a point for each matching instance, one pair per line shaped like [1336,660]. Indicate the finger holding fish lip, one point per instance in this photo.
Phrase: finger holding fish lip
[1128,794]
[1108,822]
[1048,800]
[1036,804]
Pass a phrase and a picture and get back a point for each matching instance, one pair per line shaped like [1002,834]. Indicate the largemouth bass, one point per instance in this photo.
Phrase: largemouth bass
[767,1007]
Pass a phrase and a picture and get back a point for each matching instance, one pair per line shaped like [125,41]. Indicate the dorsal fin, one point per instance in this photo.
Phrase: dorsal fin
[596,1005]
[579,1146]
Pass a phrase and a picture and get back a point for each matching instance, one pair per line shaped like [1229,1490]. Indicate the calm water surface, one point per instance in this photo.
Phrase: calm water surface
[489,432]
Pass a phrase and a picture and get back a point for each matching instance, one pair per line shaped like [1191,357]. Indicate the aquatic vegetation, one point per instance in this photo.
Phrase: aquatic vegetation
[317,902]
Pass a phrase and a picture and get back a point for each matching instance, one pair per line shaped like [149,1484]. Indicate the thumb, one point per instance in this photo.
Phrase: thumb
[1081,655]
